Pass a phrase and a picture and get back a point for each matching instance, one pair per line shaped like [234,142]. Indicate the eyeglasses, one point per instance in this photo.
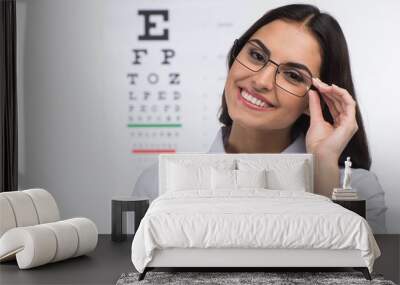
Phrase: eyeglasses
[294,80]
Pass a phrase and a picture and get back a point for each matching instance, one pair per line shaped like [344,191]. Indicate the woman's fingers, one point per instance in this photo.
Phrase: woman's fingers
[327,90]
[332,109]
[341,104]
[340,94]
[349,105]
[315,107]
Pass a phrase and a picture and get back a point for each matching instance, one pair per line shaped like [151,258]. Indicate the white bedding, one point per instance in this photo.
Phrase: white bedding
[250,218]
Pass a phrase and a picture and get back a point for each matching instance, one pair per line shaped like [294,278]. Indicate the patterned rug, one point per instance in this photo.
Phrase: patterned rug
[243,278]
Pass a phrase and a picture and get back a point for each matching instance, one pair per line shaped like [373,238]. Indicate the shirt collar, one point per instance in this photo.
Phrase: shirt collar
[297,146]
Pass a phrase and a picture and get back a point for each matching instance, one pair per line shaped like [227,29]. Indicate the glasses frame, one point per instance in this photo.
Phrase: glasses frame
[276,71]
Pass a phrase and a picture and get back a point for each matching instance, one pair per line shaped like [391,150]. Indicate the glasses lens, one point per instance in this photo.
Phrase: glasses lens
[252,57]
[293,80]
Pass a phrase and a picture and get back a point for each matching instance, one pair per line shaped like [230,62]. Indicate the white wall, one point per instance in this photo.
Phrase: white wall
[64,123]
[71,139]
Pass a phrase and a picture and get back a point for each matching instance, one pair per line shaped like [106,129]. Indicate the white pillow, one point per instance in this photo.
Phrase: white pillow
[193,175]
[223,179]
[228,179]
[187,177]
[282,174]
[293,178]
[251,178]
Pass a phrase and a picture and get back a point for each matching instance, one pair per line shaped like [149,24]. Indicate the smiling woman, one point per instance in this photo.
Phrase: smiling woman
[275,94]
[282,95]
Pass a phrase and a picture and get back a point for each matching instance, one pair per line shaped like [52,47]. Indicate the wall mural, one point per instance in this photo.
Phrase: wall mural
[165,70]
[154,112]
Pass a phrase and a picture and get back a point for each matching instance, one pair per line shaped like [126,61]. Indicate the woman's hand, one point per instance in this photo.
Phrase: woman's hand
[322,138]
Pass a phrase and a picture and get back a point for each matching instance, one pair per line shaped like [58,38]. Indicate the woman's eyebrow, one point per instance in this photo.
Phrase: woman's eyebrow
[299,66]
[262,46]
[291,64]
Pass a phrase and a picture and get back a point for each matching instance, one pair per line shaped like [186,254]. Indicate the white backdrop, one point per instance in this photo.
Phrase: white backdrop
[79,108]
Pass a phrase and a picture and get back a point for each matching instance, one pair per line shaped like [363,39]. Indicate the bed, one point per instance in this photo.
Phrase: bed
[247,211]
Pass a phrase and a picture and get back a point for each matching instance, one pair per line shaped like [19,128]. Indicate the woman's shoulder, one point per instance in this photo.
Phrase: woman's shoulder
[359,173]
[367,184]
[147,182]
[150,173]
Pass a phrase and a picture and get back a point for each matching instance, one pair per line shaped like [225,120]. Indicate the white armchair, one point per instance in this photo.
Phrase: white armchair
[32,233]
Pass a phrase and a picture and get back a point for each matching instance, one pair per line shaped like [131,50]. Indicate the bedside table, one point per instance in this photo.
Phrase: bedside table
[120,204]
[357,206]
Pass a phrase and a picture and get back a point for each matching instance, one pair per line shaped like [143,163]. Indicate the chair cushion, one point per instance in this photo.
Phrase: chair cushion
[45,205]
[23,208]
[7,215]
[27,208]
[45,243]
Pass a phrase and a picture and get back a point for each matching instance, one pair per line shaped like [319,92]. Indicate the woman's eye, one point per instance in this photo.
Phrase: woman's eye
[294,76]
[257,56]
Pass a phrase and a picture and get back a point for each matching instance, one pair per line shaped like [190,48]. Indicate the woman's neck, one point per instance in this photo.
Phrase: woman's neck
[245,140]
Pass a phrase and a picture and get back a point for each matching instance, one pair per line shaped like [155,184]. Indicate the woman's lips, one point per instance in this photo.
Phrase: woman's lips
[252,106]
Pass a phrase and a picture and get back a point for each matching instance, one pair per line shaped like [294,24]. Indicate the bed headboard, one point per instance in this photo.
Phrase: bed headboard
[163,160]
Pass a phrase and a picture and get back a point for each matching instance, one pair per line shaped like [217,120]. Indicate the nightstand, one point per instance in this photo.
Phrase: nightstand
[357,206]
[121,204]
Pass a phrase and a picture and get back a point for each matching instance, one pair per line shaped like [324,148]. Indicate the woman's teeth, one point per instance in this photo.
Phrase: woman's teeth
[253,100]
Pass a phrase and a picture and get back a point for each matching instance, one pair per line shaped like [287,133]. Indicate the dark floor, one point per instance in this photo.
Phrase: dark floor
[111,259]
[102,266]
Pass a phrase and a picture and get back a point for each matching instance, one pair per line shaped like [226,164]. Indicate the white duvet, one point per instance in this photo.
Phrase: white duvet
[250,218]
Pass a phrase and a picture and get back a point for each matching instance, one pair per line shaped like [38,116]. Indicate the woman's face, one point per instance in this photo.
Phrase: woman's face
[287,42]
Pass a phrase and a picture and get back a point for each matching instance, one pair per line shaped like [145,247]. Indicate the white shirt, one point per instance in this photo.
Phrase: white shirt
[366,183]
[298,146]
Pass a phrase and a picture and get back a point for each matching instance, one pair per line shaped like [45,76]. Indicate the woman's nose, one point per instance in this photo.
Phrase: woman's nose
[265,78]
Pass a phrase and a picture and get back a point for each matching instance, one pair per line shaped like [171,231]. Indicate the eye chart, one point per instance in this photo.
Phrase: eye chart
[167,68]
[174,80]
